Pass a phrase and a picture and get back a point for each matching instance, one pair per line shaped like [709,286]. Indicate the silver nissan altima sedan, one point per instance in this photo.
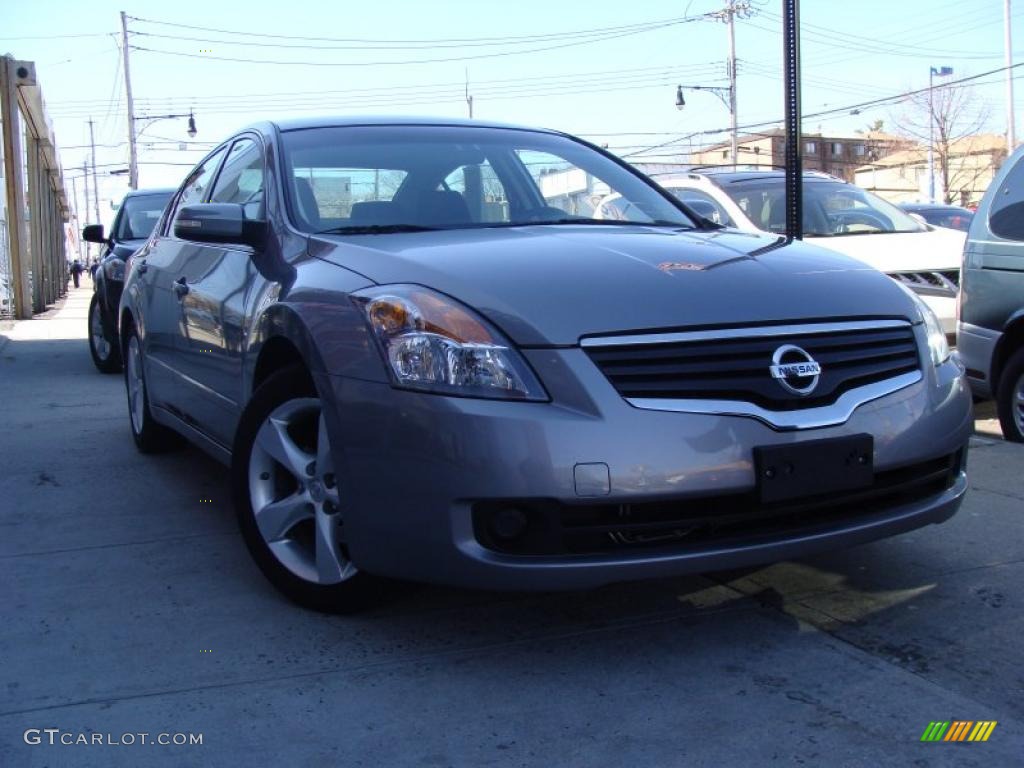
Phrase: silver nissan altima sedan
[423,357]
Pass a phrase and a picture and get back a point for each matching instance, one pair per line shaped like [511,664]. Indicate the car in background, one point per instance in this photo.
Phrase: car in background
[936,214]
[138,214]
[837,215]
[991,328]
[422,358]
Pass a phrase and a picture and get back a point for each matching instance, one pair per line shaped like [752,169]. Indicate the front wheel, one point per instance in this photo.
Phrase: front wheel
[287,497]
[1010,398]
[102,342]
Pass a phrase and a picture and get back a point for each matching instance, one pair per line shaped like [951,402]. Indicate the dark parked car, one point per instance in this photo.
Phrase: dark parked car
[991,330]
[948,216]
[139,212]
[424,358]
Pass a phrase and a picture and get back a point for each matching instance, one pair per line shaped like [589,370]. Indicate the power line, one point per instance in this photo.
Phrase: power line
[405,62]
[893,99]
[434,42]
[590,75]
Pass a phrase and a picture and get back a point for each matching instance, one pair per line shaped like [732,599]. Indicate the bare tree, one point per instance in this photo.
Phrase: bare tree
[952,118]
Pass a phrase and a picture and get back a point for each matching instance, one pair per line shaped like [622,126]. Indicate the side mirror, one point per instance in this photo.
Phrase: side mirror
[93,233]
[222,223]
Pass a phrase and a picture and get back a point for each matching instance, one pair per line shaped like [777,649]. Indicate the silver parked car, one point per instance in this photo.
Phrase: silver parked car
[423,357]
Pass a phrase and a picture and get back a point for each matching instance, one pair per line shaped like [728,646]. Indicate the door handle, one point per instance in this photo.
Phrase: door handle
[180,287]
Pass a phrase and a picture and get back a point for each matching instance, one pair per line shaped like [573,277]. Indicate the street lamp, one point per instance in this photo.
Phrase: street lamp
[932,74]
[727,95]
[133,167]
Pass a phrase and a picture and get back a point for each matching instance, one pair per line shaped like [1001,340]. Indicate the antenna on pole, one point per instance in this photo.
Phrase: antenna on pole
[469,98]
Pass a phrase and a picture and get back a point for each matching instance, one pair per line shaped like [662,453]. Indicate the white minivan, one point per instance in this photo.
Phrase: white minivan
[837,215]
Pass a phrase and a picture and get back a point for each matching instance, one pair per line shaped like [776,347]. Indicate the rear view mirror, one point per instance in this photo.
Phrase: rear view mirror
[93,233]
[223,223]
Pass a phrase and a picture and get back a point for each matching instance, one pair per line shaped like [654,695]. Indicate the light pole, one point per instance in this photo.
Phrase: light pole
[932,73]
[133,136]
[725,94]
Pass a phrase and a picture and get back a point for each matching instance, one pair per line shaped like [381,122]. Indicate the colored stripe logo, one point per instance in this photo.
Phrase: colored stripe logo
[959,730]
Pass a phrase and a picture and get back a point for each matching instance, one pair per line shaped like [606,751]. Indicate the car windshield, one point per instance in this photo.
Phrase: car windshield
[139,214]
[831,208]
[381,179]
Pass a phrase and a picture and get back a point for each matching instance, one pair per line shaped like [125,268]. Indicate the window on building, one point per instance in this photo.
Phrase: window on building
[811,148]
[837,149]
[859,150]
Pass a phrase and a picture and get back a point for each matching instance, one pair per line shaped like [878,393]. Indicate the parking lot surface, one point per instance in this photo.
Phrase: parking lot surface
[130,605]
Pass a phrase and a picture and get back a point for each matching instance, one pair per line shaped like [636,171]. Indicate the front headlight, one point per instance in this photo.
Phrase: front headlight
[114,269]
[434,344]
[938,347]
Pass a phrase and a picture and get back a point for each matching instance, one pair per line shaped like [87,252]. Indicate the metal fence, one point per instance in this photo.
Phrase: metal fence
[33,202]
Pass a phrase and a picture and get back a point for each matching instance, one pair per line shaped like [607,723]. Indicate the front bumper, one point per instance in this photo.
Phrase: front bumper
[977,347]
[415,466]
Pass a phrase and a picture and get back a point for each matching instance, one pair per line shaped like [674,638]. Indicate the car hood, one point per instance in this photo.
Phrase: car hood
[553,285]
[932,250]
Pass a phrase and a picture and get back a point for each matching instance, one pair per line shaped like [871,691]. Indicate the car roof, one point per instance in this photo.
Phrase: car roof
[335,121]
[726,175]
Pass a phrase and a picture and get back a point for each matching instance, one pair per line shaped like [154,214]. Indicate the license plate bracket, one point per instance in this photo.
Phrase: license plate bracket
[814,467]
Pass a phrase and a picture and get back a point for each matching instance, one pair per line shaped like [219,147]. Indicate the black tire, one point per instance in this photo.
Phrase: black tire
[102,338]
[149,436]
[1011,413]
[354,592]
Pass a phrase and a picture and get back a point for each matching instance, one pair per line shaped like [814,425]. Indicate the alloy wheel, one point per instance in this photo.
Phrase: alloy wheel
[97,338]
[136,385]
[294,493]
[1018,404]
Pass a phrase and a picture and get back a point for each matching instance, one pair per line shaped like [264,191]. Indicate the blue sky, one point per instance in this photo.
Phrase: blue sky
[615,86]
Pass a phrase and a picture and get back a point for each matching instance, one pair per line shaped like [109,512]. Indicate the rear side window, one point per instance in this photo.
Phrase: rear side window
[1006,216]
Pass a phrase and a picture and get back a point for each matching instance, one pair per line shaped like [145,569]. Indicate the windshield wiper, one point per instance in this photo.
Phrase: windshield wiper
[374,229]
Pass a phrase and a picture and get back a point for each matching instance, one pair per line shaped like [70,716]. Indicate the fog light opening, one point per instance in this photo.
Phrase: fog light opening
[508,523]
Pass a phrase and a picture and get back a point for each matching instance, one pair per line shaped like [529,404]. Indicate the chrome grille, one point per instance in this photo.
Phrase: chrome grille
[733,364]
[944,282]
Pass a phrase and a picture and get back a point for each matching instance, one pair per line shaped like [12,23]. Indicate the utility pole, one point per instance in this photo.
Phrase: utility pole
[85,184]
[133,156]
[76,216]
[1011,138]
[95,185]
[731,11]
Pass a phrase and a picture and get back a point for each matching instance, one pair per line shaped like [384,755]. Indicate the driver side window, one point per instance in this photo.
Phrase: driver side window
[196,185]
[241,179]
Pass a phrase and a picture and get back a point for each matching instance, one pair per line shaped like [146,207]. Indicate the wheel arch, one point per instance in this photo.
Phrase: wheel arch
[280,339]
[1011,340]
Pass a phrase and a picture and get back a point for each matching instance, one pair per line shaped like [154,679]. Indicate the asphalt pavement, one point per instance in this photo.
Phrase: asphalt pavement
[129,606]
